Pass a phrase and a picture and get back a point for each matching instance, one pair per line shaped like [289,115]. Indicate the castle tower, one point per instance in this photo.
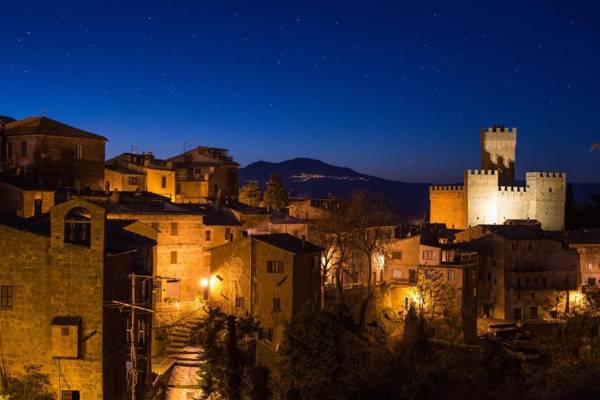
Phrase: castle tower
[498,145]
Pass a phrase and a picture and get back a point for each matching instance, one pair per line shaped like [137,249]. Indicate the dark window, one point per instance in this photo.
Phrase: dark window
[412,276]
[239,302]
[23,149]
[270,334]
[64,331]
[276,304]
[489,276]
[533,312]
[591,282]
[155,225]
[163,182]
[275,267]
[396,255]
[173,257]
[69,395]
[6,296]
[8,150]
[261,333]
[78,152]
[529,246]
[174,230]
[78,227]
[517,313]
[178,188]
[37,207]
[207,236]
[132,180]
[227,233]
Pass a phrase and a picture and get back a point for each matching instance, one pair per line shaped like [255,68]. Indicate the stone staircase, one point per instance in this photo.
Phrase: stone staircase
[179,348]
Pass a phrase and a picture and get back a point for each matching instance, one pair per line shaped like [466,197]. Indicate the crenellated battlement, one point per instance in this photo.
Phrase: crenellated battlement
[499,132]
[536,175]
[512,189]
[447,188]
[481,172]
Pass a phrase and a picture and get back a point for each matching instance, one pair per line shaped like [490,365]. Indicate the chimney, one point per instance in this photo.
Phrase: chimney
[114,196]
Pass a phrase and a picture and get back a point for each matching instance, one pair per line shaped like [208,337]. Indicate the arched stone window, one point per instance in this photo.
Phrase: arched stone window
[78,226]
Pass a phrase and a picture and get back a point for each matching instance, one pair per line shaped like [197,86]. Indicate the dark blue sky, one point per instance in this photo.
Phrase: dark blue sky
[395,89]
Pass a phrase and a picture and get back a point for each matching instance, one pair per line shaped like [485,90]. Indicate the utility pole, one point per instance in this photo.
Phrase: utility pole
[133,306]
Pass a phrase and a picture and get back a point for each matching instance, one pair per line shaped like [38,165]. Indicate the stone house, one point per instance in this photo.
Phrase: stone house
[587,244]
[52,155]
[422,269]
[59,276]
[270,277]
[309,209]
[525,273]
[143,172]
[184,234]
[205,173]
[24,198]
[194,176]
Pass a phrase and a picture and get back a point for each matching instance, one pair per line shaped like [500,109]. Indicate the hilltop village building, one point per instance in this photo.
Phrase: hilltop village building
[423,270]
[587,244]
[270,277]
[51,155]
[194,176]
[525,273]
[59,276]
[490,196]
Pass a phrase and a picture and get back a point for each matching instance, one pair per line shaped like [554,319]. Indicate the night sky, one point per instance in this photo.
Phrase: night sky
[395,89]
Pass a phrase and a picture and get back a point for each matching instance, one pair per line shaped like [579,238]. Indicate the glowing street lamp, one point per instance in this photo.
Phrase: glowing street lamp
[204,282]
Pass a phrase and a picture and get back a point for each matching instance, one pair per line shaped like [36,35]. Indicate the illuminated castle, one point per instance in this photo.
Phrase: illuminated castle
[489,195]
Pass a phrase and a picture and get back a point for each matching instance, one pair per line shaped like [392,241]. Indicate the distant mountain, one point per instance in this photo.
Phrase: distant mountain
[313,178]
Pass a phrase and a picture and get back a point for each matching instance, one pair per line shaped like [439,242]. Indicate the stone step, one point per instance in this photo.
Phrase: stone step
[188,364]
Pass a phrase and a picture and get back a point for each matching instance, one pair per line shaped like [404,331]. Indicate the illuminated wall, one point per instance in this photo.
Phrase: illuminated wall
[448,205]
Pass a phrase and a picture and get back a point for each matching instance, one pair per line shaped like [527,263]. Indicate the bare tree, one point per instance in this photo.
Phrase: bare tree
[333,233]
[372,231]
[438,299]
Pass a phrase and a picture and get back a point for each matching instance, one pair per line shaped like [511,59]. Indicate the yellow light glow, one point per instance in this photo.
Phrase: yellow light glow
[204,282]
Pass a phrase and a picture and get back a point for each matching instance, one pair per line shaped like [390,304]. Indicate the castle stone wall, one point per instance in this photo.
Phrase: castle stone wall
[482,197]
[448,206]
[547,198]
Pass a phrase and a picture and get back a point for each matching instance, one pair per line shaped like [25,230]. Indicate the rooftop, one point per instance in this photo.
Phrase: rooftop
[46,126]
[289,243]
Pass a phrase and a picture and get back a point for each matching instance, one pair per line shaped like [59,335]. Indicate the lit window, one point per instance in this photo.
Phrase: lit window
[451,276]
[274,267]
[69,395]
[397,273]
[6,297]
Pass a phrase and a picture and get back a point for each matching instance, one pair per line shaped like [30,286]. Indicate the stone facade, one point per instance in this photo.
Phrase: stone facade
[488,196]
[24,202]
[587,244]
[52,154]
[419,264]
[524,273]
[195,176]
[268,276]
[62,285]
